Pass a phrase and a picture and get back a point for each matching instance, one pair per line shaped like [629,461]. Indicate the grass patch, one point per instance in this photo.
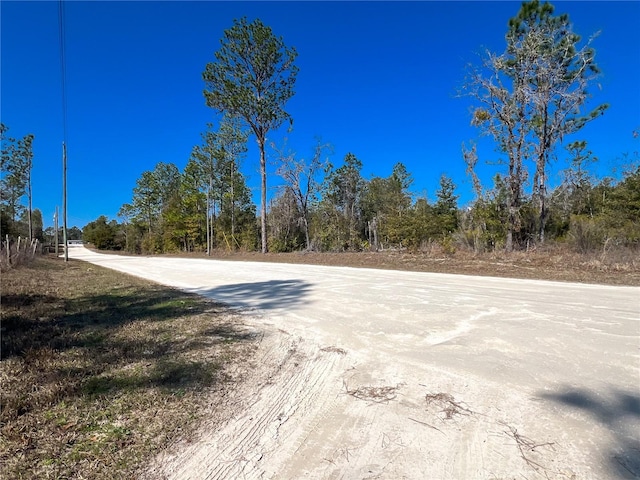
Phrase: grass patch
[100,370]
[553,262]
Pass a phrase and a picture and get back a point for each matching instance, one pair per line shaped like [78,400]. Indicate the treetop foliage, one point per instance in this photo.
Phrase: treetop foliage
[253,77]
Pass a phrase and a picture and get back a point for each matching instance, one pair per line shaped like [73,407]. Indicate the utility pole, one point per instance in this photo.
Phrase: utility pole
[64,201]
[64,127]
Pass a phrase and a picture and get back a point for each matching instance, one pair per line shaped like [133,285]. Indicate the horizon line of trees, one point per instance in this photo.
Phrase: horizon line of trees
[324,208]
[528,99]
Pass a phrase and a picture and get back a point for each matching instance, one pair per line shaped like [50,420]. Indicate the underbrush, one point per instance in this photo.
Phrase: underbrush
[616,266]
[100,370]
[611,264]
[18,253]
[608,259]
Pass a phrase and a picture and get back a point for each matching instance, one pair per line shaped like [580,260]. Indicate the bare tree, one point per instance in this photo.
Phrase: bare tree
[558,72]
[530,97]
[502,112]
[302,178]
[574,193]
[27,152]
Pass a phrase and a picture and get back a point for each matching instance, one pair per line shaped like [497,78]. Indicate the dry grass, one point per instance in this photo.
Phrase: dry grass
[20,252]
[100,370]
[381,394]
[618,266]
[448,405]
[528,447]
[334,349]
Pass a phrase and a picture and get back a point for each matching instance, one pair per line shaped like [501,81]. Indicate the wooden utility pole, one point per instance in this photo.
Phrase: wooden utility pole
[64,127]
[64,202]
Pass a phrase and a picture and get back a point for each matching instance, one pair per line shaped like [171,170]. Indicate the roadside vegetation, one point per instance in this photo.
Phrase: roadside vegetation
[532,100]
[595,224]
[555,263]
[100,370]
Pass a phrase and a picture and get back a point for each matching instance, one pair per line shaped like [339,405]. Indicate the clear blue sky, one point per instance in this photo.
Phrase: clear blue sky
[378,79]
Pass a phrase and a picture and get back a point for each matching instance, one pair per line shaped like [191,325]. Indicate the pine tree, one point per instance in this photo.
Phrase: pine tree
[252,79]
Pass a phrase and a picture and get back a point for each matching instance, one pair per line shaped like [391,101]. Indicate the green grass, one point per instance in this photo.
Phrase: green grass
[99,370]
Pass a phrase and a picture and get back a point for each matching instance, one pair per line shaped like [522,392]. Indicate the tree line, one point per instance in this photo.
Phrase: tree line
[206,206]
[323,208]
[527,99]
[17,216]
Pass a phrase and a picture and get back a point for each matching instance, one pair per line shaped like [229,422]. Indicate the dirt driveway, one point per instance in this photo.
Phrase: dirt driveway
[388,374]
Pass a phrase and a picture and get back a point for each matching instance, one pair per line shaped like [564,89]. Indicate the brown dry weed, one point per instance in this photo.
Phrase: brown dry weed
[100,370]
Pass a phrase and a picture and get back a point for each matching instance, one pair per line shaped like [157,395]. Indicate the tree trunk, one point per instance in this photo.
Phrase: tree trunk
[30,207]
[375,233]
[64,202]
[543,208]
[263,195]
[233,201]
[306,232]
[511,205]
[544,145]
[540,183]
[208,210]
[212,223]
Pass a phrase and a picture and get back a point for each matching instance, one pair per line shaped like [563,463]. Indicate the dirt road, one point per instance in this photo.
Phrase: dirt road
[387,374]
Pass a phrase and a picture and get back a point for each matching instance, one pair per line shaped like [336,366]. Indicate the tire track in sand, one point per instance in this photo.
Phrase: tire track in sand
[293,382]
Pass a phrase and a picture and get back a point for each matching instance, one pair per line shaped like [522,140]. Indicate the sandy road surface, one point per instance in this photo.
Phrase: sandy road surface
[385,374]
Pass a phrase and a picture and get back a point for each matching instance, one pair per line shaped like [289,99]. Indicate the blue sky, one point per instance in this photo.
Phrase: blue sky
[378,79]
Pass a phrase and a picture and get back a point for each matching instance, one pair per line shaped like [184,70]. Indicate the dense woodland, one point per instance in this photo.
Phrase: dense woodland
[528,99]
[344,211]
